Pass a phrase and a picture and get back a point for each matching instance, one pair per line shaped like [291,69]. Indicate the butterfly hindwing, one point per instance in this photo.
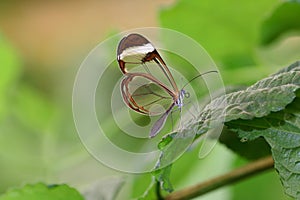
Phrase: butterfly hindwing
[145,94]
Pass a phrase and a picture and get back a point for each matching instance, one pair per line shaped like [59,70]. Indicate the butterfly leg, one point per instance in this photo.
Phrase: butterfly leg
[158,125]
[172,122]
[180,117]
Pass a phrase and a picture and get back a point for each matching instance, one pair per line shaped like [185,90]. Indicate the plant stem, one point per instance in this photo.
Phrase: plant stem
[157,189]
[231,177]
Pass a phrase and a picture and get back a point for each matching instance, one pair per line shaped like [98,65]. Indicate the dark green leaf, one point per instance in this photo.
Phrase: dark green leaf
[245,148]
[284,19]
[282,131]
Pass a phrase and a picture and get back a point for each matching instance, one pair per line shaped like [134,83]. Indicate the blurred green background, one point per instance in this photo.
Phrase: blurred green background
[42,44]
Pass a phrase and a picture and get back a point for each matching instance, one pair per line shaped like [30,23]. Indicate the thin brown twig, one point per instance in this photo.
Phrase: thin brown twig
[231,177]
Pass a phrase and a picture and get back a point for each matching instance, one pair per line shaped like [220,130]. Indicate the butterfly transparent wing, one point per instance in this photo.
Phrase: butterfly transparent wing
[144,94]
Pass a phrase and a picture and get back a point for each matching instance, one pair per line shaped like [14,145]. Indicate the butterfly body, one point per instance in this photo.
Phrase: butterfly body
[179,101]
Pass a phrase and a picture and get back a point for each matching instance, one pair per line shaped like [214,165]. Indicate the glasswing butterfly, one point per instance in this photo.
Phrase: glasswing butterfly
[147,92]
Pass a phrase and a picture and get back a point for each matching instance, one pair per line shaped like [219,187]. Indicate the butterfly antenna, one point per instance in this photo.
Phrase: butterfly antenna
[198,77]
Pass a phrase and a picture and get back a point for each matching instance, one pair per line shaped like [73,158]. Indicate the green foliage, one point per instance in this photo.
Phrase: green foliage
[269,109]
[246,148]
[282,131]
[228,31]
[271,94]
[40,113]
[106,188]
[41,191]
[10,69]
[258,118]
[284,19]
[267,186]
[162,176]
[277,120]
[264,116]
[31,135]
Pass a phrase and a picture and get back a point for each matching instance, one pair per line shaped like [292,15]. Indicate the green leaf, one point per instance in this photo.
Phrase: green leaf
[143,186]
[271,94]
[163,177]
[284,19]
[172,146]
[282,131]
[245,148]
[41,191]
[166,140]
[228,30]
[107,189]
[151,191]
[34,109]
[9,71]
[266,104]
[270,109]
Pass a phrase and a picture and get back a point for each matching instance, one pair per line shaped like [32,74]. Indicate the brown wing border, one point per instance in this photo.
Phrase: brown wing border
[135,40]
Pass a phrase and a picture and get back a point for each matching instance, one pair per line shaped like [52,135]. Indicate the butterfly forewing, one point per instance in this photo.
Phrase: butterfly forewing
[146,95]
[135,51]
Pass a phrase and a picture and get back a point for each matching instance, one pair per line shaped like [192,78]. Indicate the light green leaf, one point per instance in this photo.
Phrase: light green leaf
[284,19]
[9,72]
[105,189]
[228,30]
[41,191]
[151,191]
[34,109]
